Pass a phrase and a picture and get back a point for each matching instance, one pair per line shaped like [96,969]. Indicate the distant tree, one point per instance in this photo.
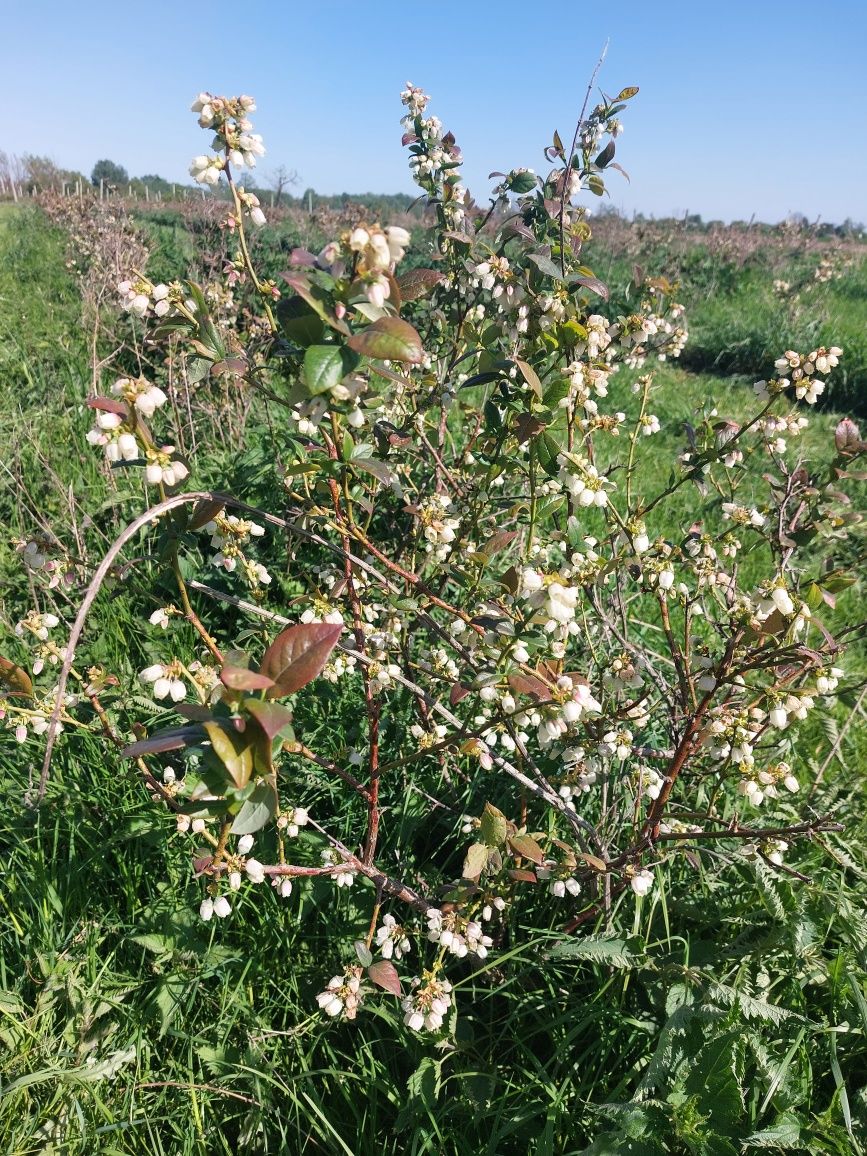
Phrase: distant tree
[108,172]
[280,180]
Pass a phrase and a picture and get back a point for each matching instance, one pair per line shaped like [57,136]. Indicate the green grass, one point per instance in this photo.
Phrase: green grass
[128,1026]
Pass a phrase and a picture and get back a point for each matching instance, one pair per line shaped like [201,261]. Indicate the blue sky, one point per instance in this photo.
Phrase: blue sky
[744,107]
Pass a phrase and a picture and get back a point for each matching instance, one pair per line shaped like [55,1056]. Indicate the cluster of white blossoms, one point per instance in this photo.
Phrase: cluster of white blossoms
[343,994]
[377,252]
[141,298]
[435,158]
[229,536]
[805,373]
[219,906]
[641,881]
[167,680]
[561,882]
[742,515]
[762,784]
[457,934]
[36,624]
[234,141]
[428,1003]
[554,599]
[392,939]
[344,873]
[439,529]
[291,820]
[583,481]
[775,430]
[141,394]
[114,433]
[163,468]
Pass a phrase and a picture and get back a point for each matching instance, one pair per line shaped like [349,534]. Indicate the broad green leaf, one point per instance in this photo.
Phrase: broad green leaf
[325,366]
[259,809]
[475,860]
[493,826]
[235,757]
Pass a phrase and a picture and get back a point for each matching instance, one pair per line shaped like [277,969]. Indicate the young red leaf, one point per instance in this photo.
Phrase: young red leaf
[388,339]
[238,678]
[384,975]
[298,654]
[15,678]
[271,716]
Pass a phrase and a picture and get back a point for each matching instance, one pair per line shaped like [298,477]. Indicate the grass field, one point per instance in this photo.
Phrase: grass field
[129,1026]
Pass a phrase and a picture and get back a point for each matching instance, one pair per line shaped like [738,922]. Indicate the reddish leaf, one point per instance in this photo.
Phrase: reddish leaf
[418,283]
[527,684]
[527,848]
[457,694]
[847,437]
[108,404]
[384,974]
[271,716]
[168,740]
[194,711]
[388,339]
[204,512]
[593,284]
[527,425]
[522,876]
[298,654]
[498,542]
[15,678]
[592,861]
[238,678]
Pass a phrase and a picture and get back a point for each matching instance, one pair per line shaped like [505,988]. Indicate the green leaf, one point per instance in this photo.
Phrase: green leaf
[493,826]
[475,861]
[236,758]
[521,182]
[365,955]
[785,1132]
[325,366]
[614,952]
[259,809]
[389,339]
[298,654]
[424,1083]
[300,324]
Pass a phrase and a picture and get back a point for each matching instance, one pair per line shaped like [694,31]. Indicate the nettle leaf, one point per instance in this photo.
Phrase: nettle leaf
[384,974]
[298,654]
[614,952]
[389,339]
[493,826]
[17,680]
[325,366]
[239,678]
[255,812]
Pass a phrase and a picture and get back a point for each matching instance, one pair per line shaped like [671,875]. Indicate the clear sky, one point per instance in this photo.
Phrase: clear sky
[745,107]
